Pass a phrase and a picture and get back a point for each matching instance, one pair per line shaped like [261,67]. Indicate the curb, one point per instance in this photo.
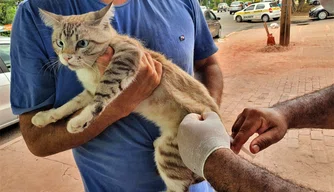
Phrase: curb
[230,34]
[3,146]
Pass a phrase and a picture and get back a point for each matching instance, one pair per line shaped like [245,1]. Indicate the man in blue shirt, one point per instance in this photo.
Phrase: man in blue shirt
[115,153]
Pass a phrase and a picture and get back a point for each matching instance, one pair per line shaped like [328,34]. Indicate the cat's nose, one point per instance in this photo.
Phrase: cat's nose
[67,57]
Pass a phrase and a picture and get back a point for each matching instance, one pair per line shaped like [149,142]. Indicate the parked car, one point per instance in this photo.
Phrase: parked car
[314,2]
[236,6]
[214,23]
[320,12]
[259,11]
[6,118]
[222,7]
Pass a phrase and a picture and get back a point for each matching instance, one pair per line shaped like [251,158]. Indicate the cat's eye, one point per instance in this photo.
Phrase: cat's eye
[82,43]
[59,43]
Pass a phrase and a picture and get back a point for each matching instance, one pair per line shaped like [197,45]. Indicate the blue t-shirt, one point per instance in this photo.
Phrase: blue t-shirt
[121,157]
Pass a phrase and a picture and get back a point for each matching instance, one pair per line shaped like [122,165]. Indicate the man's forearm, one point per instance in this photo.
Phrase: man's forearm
[226,171]
[211,76]
[312,110]
[55,138]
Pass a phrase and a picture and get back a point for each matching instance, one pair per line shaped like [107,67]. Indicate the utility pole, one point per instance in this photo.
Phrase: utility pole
[284,39]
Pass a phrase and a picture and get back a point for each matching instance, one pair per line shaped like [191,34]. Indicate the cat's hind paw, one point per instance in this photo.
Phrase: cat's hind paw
[77,124]
[43,118]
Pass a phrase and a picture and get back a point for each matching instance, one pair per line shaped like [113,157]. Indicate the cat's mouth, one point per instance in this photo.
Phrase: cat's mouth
[73,67]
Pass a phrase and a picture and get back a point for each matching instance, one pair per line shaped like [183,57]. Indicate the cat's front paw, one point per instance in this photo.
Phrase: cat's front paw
[77,124]
[43,118]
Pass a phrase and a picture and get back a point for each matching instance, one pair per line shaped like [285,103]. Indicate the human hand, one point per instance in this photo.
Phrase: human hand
[269,123]
[198,136]
[147,79]
[104,60]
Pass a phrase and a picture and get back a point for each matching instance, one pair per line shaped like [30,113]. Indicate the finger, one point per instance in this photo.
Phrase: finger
[151,65]
[101,68]
[193,116]
[158,68]
[237,124]
[264,140]
[264,127]
[150,60]
[210,115]
[110,52]
[246,131]
[157,73]
[145,60]
[190,118]
[104,60]
[106,57]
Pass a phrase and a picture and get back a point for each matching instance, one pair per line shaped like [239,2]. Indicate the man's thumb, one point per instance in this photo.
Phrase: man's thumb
[261,142]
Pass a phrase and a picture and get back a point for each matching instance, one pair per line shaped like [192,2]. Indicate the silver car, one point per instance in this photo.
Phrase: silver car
[213,23]
[6,118]
[236,6]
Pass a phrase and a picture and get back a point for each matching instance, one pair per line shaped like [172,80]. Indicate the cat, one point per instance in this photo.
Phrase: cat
[78,41]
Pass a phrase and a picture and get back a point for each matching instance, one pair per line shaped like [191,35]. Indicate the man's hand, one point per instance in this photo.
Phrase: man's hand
[104,60]
[198,136]
[269,123]
[146,81]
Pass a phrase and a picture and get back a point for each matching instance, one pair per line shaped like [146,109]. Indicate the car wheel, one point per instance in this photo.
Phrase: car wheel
[265,18]
[230,12]
[322,15]
[238,19]
[277,18]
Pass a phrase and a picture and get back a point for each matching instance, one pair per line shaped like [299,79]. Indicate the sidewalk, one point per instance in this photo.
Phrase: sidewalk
[254,77]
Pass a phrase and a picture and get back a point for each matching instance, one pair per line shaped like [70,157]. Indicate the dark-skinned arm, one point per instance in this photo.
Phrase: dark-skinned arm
[210,74]
[313,110]
[226,171]
[204,147]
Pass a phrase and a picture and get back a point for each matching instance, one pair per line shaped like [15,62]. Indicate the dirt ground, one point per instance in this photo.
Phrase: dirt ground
[258,76]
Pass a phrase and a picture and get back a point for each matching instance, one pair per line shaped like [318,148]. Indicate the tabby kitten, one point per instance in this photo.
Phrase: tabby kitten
[79,40]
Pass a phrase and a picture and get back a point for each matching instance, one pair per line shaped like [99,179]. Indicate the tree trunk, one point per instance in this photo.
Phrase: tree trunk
[294,6]
[300,5]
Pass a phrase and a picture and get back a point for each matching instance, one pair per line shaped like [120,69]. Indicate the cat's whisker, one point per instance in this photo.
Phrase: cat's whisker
[49,66]
[88,65]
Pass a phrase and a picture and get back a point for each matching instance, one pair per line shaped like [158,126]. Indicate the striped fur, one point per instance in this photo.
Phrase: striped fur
[177,95]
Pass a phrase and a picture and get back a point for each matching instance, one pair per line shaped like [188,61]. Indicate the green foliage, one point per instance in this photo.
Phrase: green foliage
[5,34]
[7,11]
[228,2]
[7,14]
[212,4]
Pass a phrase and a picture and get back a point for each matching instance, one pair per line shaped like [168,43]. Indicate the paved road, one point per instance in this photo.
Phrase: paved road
[230,26]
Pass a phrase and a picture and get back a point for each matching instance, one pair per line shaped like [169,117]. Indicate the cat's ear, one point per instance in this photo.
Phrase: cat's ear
[50,19]
[103,16]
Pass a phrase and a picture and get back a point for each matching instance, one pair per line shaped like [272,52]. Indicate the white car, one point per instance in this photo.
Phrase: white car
[6,118]
[222,7]
[259,11]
